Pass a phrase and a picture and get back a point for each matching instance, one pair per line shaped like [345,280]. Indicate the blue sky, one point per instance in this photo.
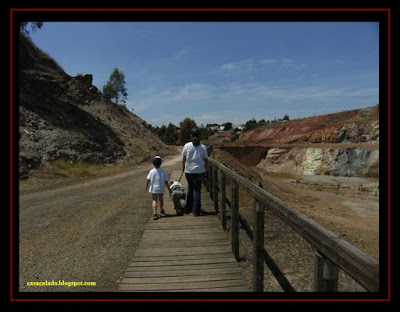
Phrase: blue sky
[214,72]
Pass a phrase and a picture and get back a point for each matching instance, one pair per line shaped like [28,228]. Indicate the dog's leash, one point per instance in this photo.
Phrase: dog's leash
[180,177]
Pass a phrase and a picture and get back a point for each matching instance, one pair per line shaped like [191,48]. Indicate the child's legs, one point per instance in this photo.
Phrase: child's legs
[154,204]
[157,198]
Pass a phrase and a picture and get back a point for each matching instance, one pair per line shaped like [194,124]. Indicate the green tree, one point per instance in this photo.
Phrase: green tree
[171,134]
[227,126]
[261,122]
[115,88]
[251,124]
[186,125]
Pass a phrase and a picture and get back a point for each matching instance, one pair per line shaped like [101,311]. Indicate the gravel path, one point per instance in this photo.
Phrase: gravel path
[86,232]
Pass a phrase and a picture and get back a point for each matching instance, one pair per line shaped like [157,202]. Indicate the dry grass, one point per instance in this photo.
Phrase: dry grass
[68,169]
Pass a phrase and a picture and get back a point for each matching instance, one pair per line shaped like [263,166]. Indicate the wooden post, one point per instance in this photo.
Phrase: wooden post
[258,245]
[210,179]
[326,274]
[235,219]
[215,188]
[223,201]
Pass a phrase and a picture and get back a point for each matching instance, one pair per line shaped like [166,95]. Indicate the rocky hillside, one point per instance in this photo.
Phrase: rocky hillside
[339,161]
[340,144]
[64,117]
[355,126]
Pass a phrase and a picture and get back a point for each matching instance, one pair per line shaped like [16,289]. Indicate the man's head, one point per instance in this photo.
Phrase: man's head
[195,136]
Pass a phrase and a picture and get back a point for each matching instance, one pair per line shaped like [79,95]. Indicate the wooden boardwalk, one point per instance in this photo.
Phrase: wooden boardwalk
[184,254]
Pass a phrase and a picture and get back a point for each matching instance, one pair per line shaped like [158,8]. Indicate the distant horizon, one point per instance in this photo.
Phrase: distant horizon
[218,72]
[270,120]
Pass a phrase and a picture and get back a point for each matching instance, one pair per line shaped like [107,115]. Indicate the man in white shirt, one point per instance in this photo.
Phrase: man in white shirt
[194,163]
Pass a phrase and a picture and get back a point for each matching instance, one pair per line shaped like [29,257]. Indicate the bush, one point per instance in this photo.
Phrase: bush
[69,169]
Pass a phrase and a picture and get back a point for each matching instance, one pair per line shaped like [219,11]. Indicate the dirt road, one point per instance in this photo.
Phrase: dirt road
[85,232]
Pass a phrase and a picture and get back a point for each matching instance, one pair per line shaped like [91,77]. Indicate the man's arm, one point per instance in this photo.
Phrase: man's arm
[183,163]
[206,164]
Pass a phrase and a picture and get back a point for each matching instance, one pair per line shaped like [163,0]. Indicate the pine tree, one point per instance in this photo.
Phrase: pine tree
[116,86]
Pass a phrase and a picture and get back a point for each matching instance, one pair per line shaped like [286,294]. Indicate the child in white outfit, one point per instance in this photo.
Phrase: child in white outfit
[156,180]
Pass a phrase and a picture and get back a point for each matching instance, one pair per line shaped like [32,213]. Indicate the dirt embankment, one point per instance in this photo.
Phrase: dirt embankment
[67,118]
[355,126]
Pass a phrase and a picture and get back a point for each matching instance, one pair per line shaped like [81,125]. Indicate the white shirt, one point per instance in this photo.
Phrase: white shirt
[195,156]
[157,178]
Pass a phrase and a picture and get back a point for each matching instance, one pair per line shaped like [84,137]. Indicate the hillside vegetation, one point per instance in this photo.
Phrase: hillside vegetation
[67,119]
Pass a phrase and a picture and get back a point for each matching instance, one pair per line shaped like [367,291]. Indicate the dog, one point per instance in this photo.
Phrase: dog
[178,196]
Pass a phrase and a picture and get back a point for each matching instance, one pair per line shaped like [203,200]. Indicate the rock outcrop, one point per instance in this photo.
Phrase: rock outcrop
[64,117]
[356,126]
[349,162]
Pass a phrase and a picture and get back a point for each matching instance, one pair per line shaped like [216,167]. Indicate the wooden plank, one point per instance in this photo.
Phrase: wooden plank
[181,257]
[186,272]
[181,279]
[184,246]
[206,221]
[209,289]
[185,219]
[175,232]
[182,267]
[191,242]
[137,263]
[185,286]
[186,226]
[181,251]
[217,289]
[190,228]
[176,237]
[187,250]
[174,242]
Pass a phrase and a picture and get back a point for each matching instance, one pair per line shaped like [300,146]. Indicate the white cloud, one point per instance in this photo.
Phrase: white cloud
[193,91]
[294,93]
[251,66]
[269,61]
[240,67]
[176,56]
[228,67]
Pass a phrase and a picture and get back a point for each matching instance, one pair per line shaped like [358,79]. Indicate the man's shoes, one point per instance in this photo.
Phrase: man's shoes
[162,213]
[155,217]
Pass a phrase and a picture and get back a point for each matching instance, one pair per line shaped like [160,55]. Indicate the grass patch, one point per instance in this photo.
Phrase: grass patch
[69,169]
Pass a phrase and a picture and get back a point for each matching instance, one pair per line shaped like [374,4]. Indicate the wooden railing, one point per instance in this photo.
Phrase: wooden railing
[332,252]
